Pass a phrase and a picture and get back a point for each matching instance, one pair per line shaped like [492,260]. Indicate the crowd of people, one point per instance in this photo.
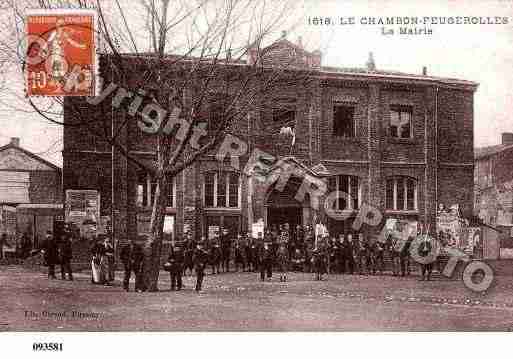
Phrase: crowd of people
[282,250]
[279,249]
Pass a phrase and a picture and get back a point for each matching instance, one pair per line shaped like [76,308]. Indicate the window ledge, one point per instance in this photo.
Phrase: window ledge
[150,208]
[226,209]
[395,211]
[403,141]
[347,139]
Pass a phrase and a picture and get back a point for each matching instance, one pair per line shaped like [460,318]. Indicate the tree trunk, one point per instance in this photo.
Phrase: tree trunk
[153,245]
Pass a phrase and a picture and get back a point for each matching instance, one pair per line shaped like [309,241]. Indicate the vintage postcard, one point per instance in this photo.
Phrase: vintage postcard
[256,166]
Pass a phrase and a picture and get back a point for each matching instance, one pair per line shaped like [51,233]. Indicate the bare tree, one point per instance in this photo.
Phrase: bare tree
[185,58]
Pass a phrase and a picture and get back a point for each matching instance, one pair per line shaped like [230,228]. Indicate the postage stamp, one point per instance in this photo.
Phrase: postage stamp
[61,53]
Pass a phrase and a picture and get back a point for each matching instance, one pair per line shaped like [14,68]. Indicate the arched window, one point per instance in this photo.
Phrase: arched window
[350,189]
[146,187]
[221,189]
[401,194]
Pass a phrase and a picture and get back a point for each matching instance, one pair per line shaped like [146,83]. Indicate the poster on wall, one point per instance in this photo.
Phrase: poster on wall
[83,210]
[450,223]
[257,228]
[104,225]
[213,232]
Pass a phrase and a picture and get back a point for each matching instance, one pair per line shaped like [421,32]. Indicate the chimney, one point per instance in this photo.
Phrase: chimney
[424,70]
[316,59]
[284,34]
[300,41]
[507,138]
[15,141]
[371,65]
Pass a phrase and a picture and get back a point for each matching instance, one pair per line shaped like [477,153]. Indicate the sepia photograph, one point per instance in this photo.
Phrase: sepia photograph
[180,166]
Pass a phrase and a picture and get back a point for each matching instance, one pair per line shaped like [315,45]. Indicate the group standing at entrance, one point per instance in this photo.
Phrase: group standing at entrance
[280,249]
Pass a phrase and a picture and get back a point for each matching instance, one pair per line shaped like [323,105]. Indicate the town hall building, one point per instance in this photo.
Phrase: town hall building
[402,143]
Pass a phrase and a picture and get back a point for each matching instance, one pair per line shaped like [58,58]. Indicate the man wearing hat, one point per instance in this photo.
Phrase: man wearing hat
[176,260]
[3,242]
[200,259]
[132,256]
[226,246]
[265,259]
[51,254]
[66,254]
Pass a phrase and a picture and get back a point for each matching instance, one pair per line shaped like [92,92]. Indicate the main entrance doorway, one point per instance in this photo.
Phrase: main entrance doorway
[282,206]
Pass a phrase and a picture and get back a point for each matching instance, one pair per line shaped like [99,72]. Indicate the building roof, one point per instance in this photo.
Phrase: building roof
[324,71]
[33,156]
[482,152]
[361,71]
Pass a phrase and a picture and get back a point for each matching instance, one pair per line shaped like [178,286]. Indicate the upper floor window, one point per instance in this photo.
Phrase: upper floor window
[401,121]
[401,194]
[343,120]
[146,188]
[222,189]
[284,113]
[350,192]
[278,114]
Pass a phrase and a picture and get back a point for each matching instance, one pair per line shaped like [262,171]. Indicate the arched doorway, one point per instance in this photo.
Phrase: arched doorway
[282,206]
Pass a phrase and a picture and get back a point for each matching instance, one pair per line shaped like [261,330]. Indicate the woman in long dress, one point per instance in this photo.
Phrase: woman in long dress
[96,268]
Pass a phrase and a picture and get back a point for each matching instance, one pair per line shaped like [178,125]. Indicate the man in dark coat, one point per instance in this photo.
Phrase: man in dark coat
[3,242]
[188,248]
[125,256]
[176,259]
[108,261]
[405,257]
[379,259]
[66,254]
[240,245]
[200,259]
[348,249]
[226,244]
[26,245]
[338,254]
[266,260]
[215,254]
[132,257]
[425,247]
[318,262]
[252,253]
[50,250]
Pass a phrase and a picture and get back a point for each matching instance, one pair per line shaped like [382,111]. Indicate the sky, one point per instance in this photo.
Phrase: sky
[480,53]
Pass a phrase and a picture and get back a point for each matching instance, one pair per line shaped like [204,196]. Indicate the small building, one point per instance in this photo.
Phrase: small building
[493,180]
[31,188]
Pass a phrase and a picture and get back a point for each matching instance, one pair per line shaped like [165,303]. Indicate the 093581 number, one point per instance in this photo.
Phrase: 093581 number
[44,347]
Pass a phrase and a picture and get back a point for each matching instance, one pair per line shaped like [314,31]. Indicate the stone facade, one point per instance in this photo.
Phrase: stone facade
[433,164]
[494,183]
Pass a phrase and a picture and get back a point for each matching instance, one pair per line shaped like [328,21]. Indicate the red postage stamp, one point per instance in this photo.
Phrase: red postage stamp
[61,53]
